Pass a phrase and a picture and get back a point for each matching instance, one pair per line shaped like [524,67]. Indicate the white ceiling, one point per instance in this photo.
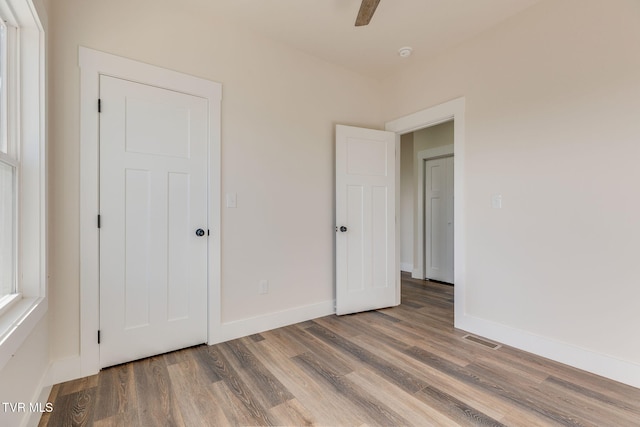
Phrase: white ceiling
[325,28]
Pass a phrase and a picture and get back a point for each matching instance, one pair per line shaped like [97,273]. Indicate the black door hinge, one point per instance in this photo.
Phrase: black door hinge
[99,105]
[98,337]
[99,221]
[208,232]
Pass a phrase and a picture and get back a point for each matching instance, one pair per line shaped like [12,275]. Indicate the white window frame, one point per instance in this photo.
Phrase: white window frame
[26,122]
[8,100]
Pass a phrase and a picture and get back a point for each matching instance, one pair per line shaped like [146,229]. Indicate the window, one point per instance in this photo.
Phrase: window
[7,230]
[3,79]
[22,173]
[8,173]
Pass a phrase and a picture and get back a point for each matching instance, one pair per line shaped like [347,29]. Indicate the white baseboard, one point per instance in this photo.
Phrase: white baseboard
[32,419]
[254,325]
[66,369]
[417,274]
[70,368]
[406,267]
[587,360]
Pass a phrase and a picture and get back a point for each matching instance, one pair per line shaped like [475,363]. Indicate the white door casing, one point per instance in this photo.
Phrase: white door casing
[92,65]
[153,198]
[367,266]
[438,185]
[450,110]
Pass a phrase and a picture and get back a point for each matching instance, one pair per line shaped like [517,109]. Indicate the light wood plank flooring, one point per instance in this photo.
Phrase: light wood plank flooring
[403,366]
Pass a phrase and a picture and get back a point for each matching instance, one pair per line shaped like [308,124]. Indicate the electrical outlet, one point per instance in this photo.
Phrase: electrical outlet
[263,287]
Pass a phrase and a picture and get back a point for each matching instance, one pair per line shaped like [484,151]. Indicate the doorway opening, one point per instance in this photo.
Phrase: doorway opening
[449,114]
[427,205]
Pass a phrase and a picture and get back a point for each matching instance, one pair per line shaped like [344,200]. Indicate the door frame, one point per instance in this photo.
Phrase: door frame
[93,64]
[420,267]
[450,110]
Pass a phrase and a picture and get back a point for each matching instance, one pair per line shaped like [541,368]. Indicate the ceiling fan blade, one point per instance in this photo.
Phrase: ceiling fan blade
[367,8]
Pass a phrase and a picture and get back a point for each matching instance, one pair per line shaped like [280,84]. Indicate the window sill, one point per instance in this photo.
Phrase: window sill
[8,301]
[17,323]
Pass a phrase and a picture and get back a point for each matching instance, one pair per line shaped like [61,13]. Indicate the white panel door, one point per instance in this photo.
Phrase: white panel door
[439,219]
[367,274]
[153,199]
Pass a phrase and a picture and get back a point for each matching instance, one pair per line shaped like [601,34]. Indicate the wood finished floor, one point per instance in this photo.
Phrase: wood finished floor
[403,366]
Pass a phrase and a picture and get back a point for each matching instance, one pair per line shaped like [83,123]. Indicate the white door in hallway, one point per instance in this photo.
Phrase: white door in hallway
[367,269]
[439,219]
[153,214]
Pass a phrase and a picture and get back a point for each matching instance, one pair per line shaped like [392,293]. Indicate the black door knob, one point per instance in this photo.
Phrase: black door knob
[199,232]
[343,229]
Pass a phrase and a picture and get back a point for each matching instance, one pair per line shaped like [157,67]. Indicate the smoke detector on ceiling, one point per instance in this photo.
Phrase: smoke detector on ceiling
[405,52]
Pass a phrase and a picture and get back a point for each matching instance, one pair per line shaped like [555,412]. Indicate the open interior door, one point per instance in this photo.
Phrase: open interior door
[367,273]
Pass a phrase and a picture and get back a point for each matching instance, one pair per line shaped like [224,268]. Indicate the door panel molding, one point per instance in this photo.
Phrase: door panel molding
[93,64]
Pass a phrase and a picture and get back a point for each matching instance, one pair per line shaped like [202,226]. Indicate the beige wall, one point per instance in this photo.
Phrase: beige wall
[279,109]
[552,102]
[433,137]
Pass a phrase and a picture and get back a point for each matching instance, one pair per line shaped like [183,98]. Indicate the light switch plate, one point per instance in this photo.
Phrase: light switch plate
[263,287]
[232,200]
[496,201]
